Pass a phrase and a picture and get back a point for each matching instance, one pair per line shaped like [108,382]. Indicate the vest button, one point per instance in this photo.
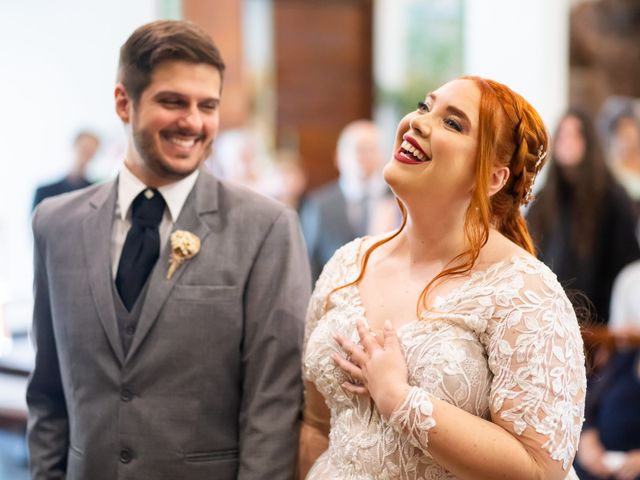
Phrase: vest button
[125,455]
[126,395]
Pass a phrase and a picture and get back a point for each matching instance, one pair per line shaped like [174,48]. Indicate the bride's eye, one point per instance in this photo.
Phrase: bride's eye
[423,107]
[450,122]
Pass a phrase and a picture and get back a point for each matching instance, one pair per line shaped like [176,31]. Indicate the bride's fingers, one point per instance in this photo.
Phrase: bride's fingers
[357,389]
[348,367]
[367,338]
[353,351]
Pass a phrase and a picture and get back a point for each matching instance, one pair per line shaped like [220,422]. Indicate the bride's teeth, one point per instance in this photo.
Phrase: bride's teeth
[413,151]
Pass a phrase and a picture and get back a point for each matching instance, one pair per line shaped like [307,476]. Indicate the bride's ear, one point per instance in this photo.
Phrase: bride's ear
[498,179]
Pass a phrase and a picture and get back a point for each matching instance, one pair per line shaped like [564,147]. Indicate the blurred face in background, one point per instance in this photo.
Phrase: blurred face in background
[359,151]
[570,143]
[626,138]
[85,148]
[368,151]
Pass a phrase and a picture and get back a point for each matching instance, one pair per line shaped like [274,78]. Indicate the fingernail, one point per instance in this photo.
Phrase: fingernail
[387,325]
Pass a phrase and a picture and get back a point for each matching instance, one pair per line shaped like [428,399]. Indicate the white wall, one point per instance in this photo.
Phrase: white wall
[523,44]
[58,65]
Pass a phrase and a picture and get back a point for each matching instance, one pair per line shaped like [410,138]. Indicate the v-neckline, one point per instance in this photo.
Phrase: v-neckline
[438,300]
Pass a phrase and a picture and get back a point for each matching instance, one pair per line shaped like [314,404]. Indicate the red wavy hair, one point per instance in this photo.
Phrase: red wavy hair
[511,134]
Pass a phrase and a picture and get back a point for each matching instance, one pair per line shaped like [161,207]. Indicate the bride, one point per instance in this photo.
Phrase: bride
[446,349]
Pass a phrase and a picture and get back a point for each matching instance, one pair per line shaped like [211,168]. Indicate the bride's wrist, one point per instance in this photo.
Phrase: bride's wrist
[391,399]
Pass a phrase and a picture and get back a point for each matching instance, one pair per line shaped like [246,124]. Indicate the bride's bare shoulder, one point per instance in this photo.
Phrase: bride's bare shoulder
[371,240]
[500,248]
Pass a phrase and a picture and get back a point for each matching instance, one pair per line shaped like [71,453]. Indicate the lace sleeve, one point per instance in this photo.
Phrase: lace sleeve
[414,417]
[536,355]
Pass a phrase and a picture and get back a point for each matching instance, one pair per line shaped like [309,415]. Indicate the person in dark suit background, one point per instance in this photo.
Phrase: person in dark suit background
[85,146]
[169,306]
[583,222]
[345,209]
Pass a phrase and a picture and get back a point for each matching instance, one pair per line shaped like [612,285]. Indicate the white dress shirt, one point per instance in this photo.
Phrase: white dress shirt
[129,186]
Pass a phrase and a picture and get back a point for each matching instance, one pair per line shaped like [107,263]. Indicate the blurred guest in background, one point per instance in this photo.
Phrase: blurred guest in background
[239,157]
[610,441]
[343,210]
[583,222]
[288,180]
[624,154]
[387,215]
[85,147]
[625,300]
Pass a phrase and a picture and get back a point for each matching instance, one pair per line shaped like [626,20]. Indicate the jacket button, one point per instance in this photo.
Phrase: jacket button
[125,455]
[126,395]
[130,330]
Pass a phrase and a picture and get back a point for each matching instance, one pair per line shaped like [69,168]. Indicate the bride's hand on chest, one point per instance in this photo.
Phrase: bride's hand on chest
[374,368]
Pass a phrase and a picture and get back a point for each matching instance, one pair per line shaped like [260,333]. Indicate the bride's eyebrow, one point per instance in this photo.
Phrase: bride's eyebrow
[453,110]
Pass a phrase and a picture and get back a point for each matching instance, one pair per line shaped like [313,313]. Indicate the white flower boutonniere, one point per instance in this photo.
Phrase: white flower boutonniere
[184,246]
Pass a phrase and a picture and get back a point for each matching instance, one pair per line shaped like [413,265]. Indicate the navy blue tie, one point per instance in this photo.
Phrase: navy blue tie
[141,247]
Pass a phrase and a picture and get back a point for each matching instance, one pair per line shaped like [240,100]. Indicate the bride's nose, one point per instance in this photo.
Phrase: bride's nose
[420,125]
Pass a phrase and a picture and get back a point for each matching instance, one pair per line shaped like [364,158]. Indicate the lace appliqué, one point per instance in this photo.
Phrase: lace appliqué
[414,417]
[537,358]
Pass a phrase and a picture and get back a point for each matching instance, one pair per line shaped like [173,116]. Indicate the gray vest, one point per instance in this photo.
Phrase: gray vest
[128,321]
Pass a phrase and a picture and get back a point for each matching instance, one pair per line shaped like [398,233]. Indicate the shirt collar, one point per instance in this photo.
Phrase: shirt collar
[174,194]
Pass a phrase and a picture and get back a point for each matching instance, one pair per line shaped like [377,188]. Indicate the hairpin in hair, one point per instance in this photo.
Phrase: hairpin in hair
[542,154]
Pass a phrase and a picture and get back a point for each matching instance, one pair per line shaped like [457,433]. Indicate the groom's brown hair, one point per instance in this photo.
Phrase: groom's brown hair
[160,41]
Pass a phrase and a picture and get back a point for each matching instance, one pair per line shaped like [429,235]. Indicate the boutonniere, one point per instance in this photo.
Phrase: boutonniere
[184,246]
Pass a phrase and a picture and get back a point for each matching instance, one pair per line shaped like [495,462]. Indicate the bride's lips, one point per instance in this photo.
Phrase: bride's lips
[415,144]
[402,157]
[410,152]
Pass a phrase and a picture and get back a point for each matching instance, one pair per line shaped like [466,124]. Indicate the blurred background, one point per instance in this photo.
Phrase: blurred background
[298,71]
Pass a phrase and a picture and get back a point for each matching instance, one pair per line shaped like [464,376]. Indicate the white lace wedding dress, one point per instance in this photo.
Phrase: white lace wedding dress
[506,341]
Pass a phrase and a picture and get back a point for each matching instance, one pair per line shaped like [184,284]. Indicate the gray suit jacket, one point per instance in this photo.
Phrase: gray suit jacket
[211,387]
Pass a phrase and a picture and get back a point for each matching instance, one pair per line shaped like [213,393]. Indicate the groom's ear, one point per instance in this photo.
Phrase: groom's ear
[124,104]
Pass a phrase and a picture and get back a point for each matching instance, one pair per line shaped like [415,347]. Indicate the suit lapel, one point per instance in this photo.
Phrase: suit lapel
[201,200]
[97,244]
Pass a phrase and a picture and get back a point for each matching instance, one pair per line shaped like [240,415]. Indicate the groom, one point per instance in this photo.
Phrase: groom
[169,305]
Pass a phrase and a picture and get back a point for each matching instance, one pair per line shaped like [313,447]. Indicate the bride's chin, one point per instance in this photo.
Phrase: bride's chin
[392,177]
[388,173]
